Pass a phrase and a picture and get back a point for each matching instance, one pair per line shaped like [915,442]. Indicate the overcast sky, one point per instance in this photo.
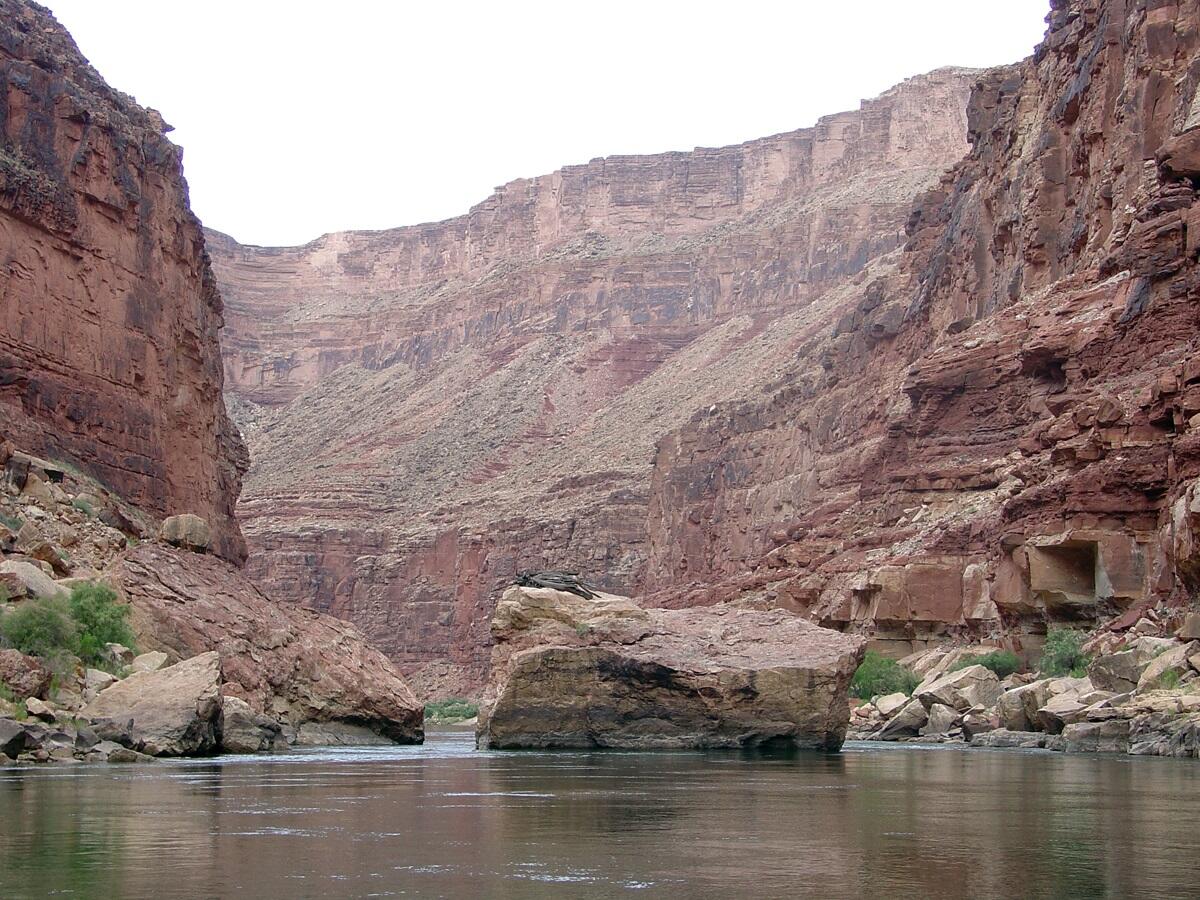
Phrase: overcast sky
[300,118]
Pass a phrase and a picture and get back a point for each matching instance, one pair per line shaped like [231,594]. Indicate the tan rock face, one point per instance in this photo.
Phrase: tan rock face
[174,710]
[291,664]
[569,672]
[108,311]
[452,403]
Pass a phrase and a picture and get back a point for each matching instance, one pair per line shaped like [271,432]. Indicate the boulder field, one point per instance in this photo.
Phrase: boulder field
[606,673]
[1140,695]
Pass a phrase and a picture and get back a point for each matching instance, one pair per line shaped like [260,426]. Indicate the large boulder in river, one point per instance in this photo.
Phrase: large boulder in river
[291,664]
[573,672]
[174,710]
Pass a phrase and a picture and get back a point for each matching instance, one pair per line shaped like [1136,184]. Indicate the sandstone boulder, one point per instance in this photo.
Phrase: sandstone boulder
[890,703]
[1111,736]
[187,531]
[962,689]
[35,582]
[24,675]
[941,719]
[148,662]
[1167,667]
[96,680]
[39,709]
[245,731]
[174,710]
[907,722]
[1002,738]
[292,664]
[570,672]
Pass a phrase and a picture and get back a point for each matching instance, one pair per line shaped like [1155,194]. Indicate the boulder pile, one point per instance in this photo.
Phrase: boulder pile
[1141,695]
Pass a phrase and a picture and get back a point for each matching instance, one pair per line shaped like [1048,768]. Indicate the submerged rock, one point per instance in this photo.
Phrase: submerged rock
[573,672]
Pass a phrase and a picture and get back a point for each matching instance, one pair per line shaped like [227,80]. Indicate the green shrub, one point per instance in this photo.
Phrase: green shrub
[100,619]
[1063,654]
[79,626]
[41,627]
[879,675]
[1002,662]
[453,710]
[12,523]
[83,506]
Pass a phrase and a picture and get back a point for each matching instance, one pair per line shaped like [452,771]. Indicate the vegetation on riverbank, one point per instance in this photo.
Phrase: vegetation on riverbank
[80,625]
[450,711]
[878,675]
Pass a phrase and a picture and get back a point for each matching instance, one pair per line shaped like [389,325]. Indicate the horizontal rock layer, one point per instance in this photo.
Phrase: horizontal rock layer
[432,409]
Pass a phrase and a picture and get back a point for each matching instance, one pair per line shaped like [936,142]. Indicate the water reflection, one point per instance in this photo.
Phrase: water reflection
[445,821]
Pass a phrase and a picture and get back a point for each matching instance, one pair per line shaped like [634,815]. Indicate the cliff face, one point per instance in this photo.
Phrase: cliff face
[433,409]
[1022,446]
[110,315]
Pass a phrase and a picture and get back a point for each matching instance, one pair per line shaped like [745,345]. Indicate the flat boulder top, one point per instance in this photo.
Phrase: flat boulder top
[699,639]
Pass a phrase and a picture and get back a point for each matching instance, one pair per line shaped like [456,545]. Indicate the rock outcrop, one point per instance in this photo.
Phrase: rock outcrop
[108,337]
[173,711]
[573,672]
[292,664]
[435,409]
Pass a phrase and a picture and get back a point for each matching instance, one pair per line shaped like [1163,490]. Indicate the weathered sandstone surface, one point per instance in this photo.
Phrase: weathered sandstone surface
[109,313]
[570,672]
[433,409]
[295,665]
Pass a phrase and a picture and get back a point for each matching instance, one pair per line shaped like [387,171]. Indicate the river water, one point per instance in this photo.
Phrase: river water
[443,820]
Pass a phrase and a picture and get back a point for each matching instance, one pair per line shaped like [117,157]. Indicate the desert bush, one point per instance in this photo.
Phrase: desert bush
[41,627]
[100,619]
[1063,654]
[453,710]
[879,675]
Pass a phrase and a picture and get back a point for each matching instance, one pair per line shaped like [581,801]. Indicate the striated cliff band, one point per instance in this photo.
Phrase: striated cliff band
[433,409]
[927,369]
[113,431]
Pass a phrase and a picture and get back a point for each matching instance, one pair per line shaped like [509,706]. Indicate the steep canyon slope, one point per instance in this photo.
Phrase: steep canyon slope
[112,415]
[433,409]
[109,313]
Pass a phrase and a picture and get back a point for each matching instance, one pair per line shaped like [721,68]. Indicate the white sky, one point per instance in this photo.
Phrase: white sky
[300,118]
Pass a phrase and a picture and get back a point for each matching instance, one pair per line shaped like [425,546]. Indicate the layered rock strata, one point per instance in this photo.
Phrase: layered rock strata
[434,409]
[606,673]
[109,313]
[1018,444]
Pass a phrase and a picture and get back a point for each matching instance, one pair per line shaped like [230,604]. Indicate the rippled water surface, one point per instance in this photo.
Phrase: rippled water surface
[445,821]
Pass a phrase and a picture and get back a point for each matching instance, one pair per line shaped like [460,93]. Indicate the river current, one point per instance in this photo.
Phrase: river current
[444,820]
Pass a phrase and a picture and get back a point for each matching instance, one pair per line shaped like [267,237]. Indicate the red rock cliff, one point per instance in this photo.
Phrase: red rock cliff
[110,318]
[432,409]
[1003,432]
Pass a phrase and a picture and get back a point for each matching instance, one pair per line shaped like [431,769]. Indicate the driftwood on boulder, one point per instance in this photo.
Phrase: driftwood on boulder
[571,582]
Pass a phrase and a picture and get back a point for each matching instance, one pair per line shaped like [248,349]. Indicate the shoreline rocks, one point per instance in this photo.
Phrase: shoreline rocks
[569,672]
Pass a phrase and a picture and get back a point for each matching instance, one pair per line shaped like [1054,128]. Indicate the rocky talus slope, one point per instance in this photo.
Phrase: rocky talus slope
[112,424]
[433,409]
[109,313]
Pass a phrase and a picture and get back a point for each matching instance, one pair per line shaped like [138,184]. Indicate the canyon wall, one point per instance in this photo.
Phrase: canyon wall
[433,409]
[1019,445]
[109,314]
[734,375]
